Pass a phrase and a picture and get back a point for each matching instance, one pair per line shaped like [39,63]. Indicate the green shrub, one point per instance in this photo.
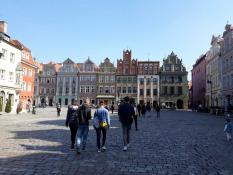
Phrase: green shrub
[8,106]
[1,104]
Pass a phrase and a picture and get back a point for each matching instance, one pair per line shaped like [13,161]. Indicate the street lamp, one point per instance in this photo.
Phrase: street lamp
[210,82]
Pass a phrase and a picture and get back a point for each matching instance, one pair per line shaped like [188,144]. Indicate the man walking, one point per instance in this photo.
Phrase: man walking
[139,108]
[84,115]
[126,113]
[158,111]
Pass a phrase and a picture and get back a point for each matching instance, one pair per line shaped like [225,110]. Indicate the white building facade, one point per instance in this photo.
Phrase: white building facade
[10,70]
[67,83]
[213,74]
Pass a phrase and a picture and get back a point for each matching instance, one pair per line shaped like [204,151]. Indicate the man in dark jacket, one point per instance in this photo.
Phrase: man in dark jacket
[72,121]
[126,113]
[84,115]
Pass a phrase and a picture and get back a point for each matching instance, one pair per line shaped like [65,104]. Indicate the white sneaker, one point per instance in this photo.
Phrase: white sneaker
[103,148]
[99,151]
[125,148]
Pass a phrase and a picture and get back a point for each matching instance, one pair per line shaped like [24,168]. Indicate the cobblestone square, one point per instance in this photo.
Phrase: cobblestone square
[179,143]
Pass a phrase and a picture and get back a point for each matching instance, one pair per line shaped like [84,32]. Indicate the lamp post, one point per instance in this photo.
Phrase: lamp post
[211,101]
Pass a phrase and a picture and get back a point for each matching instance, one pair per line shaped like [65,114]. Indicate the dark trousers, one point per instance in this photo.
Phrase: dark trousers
[58,112]
[158,114]
[98,135]
[73,131]
[126,133]
[136,121]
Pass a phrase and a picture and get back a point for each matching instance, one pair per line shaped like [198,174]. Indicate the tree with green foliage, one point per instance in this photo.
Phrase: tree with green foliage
[8,106]
[1,104]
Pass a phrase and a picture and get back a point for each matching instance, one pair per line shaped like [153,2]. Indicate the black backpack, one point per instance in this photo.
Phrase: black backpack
[73,116]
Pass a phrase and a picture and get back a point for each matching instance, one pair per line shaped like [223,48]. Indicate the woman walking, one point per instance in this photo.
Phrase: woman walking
[101,124]
[72,121]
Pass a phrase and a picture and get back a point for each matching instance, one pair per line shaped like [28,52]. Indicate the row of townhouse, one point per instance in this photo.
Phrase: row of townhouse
[17,70]
[212,74]
[140,80]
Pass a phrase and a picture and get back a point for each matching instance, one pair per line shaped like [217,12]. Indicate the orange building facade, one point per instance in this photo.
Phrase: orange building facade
[29,67]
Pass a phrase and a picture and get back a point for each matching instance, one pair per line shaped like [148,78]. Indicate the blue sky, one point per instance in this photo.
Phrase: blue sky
[58,29]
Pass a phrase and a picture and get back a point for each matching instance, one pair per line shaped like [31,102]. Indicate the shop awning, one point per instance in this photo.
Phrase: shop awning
[105,96]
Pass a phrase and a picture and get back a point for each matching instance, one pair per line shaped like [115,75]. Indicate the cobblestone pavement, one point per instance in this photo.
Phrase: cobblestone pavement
[179,143]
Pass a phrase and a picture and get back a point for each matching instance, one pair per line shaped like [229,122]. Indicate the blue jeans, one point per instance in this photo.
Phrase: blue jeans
[82,135]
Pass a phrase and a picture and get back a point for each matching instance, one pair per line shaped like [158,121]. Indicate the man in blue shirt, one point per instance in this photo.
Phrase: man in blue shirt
[101,124]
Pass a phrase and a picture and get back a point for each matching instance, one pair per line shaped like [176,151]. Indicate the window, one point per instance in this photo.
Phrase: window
[134,79]
[48,72]
[29,72]
[67,90]
[148,92]
[101,89]
[82,89]
[66,101]
[47,91]
[154,92]
[179,79]
[24,71]
[87,89]
[118,79]
[74,80]
[48,81]
[18,78]
[106,89]
[155,80]
[124,90]
[148,81]
[165,90]
[129,79]
[73,90]
[93,78]
[12,57]
[11,76]
[92,88]
[101,79]
[134,90]
[118,89]
[112,89]
[141,81]
[112,79]
[106,79]
[129,90]
[4,52]
[23,55]
[29,87]
[2,74]
[171,90]
[180,90]
[24,86]
[42,90]
[53,91]
[60,90]
[141,92]
[124,79]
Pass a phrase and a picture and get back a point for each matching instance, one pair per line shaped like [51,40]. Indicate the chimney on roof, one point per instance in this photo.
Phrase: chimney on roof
[3,27]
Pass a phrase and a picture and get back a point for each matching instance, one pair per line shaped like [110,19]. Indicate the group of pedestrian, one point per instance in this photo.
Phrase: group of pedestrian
[78,118]
[144,109]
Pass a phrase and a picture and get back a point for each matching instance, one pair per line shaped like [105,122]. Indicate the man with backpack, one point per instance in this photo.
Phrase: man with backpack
[126,113]
[84,115]
[72,121]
